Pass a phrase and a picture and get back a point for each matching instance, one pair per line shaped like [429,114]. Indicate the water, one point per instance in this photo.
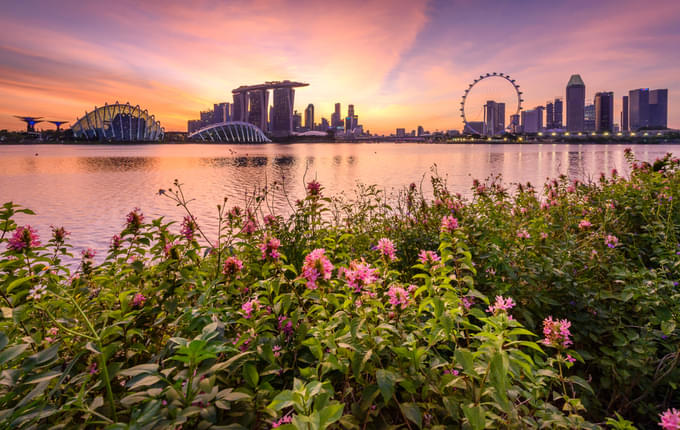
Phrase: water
[89,189]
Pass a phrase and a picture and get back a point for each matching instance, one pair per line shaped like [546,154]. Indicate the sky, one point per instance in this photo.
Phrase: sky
[402,63]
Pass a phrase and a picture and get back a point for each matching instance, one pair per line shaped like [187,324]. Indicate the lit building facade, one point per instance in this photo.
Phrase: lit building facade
[624,114]
[494,118]
[604,111]
[309,117]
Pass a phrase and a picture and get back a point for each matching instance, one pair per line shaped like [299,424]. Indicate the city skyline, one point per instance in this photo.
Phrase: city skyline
[58,61]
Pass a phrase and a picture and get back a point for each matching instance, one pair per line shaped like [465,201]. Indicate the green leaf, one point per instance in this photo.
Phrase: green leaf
[475,416]
[330,414]
[412,412]
[282,400]
[139,369]
[250,375]
[386,382]
[17,282]
[465,359]
[667,327]
[145,381]
[12,352]
[582,382]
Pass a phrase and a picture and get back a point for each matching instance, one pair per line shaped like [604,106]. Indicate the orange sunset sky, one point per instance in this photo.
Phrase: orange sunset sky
[401,63]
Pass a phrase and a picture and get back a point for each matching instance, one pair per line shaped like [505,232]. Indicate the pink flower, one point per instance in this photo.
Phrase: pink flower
[453,372]
[115,242]
[428,257]
[556,332]
[523,234]
[270,220]
[399,297]
[134,220]
[270,248]
[37,292]
[88,255]
[570,359]
[92,369]
[59,234]
[611,241]
[250,226]
[249,307]
[501,304]
[138,300]
[53,331]
[24,238]
[386,247]
[316,266]
[314,188]
[276,350]
[285,420]
[232,266]
[670,420]
[360,274]
[584,224]
[189,227]
[468,302]
[449,224]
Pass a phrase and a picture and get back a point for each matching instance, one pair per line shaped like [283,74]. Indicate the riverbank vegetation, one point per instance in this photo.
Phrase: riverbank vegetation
[517,308]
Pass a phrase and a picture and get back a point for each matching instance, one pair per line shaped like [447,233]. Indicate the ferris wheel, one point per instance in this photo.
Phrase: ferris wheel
[497,87]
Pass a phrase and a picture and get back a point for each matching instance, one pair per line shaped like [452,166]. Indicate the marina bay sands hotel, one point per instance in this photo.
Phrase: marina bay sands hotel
[251,105]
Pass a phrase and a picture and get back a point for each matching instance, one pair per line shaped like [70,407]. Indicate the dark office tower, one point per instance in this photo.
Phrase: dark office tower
[494,117]
[549,114]
[309,117]
[257,112]
[324,125]
[624,114]
[283,111]
[515,124]
[658,108]
[421,130]
[297,121]
[336,117]
[576,101]
[220,113]
[240,107]
[557,113]
[638,108]
[604,111]
[350,122]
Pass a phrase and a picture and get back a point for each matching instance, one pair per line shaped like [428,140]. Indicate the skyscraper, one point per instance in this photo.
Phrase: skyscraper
[335,117]
[494,118]
[658,108]
[576,100]
[309,117]
[557,113]
[549,115]
[259,103]
[421,130]
[282,122]
[638,108]
[297,121]
[604,111]
[589,118]
[624,114]
[532,120]
[240,107]
[351,120]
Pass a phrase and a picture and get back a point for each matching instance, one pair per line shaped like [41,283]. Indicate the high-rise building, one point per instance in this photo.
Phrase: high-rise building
[638,105]
[576,100]
[336,117]
[549,115]
[421,130]
[514,123]
[309,117]
[658,108]
[239,107]
[604,111]
[624,114]
[532,120]
[401,132]
[297,121]
[589,118]
[557,113]
[282,122]
[324,126]
[494,118]
[351,120]
[259,105]
[221,113]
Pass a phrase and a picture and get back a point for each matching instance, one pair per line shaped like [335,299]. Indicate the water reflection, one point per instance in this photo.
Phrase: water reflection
[89,188]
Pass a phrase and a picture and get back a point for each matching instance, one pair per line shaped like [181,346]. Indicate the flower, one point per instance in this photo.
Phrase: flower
[134,220]
[316,266]
[59,234]
[250,226]
[53,331]
[24,238]
[249,307]
[138,300]
[314,188]
[584,224]
[115,243]
[399,297]
[386,247]
[232,266]
[556,332]
[92,369]
[468,302]
[189,227]
[501,304]
[670,419]
[37,292]
[611,241]
[276,350]
[270,248]
[544,235]
[360,274]
[523,234]
[449,224]
[285,420]
[88,255]
[570,358]
[428,257]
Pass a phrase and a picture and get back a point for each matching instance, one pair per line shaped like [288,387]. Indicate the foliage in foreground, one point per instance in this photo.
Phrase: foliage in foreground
[513,309]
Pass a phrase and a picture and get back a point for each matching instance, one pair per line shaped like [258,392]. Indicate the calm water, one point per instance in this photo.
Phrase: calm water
[89,188]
